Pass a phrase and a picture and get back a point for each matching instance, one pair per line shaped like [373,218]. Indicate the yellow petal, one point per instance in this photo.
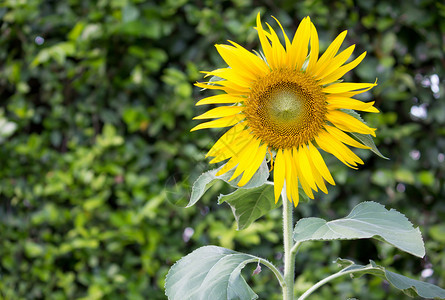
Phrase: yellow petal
[349,103]
[220,99]
[279,54]
[235,154]
[294,190]
[335,63]
[304,184]
[223,122]
[236,133]
[344,138]
[267,48]
[233,149]
[225,85]
[348,123]
[305,167]
[339,150]
[346,87]
[324,144]
[291,177]
[219,112]
[353,93]
[257,65]
[228,166]
[329,53]
[279,174]
[253,165]
[246,157]
[299,48]
[227,150]
[342,70]
[320,164]
[347,154]
[318,179]
[286,39]
[292,182]
[296,195]
[208,85]
[316,175]
[314,50]
[232,75]
[239,61]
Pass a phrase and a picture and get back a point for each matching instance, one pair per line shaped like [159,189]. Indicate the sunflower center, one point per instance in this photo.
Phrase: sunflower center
[286,108]
[285,105]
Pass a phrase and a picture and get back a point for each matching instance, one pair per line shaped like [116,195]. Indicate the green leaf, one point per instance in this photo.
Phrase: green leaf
[139,28]
[249,205]
[129,13]
[6,128]
[214,79]
[366,139]
[211,273]
[207,179]
[59,52]
[76,31]
[366,220]
[409,286]
[437,232]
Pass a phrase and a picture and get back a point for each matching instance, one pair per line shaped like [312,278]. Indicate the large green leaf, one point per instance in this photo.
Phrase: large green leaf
[207,179]
[211,273]
[249,205]
[409,286]
[366,220]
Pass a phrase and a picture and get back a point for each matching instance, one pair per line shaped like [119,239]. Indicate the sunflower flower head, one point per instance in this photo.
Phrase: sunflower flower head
[288,102]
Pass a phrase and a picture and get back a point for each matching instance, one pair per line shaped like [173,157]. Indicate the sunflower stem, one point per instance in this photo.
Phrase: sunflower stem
[289,255]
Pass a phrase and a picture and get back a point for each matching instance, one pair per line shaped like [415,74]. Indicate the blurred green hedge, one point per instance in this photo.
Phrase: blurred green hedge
[96,108]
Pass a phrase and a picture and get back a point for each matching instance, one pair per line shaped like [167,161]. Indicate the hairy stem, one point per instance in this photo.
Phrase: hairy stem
[289,256]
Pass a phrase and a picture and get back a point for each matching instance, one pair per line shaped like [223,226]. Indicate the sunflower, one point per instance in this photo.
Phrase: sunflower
[286,103]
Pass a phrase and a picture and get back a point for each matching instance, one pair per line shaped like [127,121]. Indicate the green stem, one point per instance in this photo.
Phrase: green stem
[293,255]
[326,280]
[273,269]
[289,258]
[295,248]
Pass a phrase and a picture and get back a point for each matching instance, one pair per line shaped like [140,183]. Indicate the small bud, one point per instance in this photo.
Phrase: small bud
[257,270]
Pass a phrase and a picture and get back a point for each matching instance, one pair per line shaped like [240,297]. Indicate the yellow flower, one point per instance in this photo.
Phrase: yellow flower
[287,103]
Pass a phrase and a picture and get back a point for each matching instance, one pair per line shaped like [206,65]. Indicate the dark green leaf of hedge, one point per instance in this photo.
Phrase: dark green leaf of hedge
[249,205]
[366,220]
[207,179]
[211,273]
[409,286]
[437,232]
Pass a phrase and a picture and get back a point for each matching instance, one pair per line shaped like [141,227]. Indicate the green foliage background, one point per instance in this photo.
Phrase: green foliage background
[96,108]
